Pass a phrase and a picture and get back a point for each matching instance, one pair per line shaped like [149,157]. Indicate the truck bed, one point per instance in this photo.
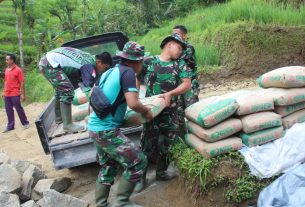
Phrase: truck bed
[70,150]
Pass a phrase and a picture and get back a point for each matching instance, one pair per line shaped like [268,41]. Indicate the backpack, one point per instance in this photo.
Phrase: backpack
[99,102]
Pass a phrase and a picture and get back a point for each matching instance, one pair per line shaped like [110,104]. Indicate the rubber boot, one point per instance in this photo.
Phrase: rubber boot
[66,115]
[141,185]
[101,194]
[58,119]
[124,192]
[161,169]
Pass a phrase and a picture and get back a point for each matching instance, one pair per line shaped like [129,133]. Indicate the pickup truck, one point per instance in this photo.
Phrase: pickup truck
[70,150]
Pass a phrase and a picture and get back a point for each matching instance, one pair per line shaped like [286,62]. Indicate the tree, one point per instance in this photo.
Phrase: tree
[19,10]
[66,12]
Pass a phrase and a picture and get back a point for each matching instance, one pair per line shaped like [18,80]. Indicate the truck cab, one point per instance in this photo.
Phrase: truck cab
[70,150]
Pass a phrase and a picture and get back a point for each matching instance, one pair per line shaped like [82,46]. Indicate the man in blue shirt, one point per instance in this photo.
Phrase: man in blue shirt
[112,146]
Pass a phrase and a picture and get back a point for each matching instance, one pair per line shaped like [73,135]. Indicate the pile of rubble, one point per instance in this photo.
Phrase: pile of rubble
[23,184]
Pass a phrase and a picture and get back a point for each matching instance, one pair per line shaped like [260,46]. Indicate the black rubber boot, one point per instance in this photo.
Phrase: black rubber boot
[124,192]
[161,169]
[58,119]
[66,115]
[101,194]
[141,185]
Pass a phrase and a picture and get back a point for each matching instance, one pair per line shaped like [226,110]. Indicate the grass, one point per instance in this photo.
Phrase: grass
[202,175]
[216,32]
[204,23]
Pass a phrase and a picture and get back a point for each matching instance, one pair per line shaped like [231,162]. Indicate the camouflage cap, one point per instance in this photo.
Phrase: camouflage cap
[174,37]
[132,51]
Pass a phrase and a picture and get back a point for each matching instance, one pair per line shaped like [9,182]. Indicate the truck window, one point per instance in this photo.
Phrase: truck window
[110,47]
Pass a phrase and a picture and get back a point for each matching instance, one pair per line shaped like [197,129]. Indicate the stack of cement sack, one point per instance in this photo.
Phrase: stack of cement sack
[286,85]
[80,107]
[259,123]
[211,128]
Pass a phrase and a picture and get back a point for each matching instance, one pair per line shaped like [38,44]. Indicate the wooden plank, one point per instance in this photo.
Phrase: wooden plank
[69,138]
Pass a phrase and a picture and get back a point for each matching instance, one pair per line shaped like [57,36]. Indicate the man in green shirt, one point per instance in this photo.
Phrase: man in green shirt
[168,76]
[57,65]
[191,96]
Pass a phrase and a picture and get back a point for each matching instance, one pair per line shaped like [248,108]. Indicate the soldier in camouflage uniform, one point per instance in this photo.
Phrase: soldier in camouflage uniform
[112,146]
[168,76]
[56,66]
[190,96]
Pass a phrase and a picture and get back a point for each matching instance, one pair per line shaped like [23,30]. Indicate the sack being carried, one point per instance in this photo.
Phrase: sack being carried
[208,150]
[218,132]
[286,77]
[286,110]
[81,96]
[154,103]
[209,112]
[296,117]
[262,137]
[80,112]
[285,97]
[252,101]
[259,121]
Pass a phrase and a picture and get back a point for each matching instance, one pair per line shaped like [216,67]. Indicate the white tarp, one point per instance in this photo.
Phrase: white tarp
[275,157]
[286,191]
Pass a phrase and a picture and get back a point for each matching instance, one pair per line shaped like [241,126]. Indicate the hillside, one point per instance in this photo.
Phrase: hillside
[238,39]
[8,36]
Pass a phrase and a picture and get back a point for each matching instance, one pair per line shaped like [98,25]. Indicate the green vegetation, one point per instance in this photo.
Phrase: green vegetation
[221,33]
[228,172]
[212,29]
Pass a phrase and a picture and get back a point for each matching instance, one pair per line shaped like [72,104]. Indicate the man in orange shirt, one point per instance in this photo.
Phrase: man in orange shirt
[13,92]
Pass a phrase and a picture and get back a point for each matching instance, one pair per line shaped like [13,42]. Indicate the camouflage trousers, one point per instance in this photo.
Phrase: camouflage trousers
[160,134]
[184,101]
[114,149]
[64,90]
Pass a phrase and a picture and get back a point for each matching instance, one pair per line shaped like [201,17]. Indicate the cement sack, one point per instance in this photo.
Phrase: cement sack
[252,101]
[259,121]
[296,117]
[218,132]
[262,137]
[208,150]
[87,119]
[81,96]
[80,112]
[285,97]
[154,103]
[211,111]
[286,77]
[286,110]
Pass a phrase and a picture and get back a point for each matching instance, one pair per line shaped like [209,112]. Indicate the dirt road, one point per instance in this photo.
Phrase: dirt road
[24,144]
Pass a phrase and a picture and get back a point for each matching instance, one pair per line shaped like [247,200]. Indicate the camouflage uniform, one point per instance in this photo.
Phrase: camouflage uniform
[190,96]
[159,78]
[113,149]
[58,76]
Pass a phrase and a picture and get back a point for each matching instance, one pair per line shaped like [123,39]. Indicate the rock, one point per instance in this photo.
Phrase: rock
[9,200]
[30,203]
[10,179]
[21,165]
[4,158]
[58,184]
[52,198]
[29,179]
